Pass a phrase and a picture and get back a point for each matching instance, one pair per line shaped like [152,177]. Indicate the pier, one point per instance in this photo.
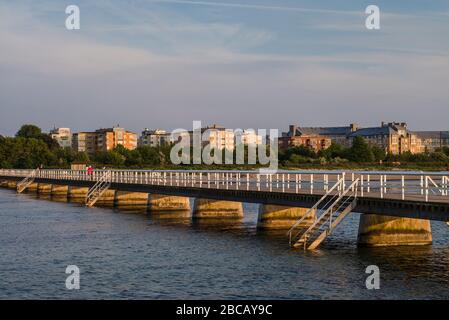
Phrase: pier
[397,206]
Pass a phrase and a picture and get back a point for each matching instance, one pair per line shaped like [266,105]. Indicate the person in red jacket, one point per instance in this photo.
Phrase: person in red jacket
[90,172]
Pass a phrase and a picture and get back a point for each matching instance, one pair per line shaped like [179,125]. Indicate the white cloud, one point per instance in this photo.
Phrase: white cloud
[207,80]
[45,50]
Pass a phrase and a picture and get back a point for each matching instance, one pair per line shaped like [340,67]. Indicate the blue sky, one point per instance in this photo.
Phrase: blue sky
[242,64]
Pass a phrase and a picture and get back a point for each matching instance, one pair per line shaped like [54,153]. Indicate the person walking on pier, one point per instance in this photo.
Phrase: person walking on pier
[90,172]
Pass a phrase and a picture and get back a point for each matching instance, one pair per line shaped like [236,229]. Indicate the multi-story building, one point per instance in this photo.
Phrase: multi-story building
[430,141]
[392,137]
[103,140]
[63,136]
[108,139]
[218,137]
[154,138]
[317,138]
[251,137]
[84,142]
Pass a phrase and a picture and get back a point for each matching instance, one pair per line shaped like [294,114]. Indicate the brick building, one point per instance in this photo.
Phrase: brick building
[317,138]
[430,141]
[103,140]
[108,139]
[393,137]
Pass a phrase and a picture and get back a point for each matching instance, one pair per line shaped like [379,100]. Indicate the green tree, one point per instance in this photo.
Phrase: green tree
[26,153]
[302,151]
[378,153]
[360,151]
[29,131]
[438,157]
[109,158]
[80,157]
[446,151]
[133,159]
[335,150]
[49,141]
[149,155]
[296,159]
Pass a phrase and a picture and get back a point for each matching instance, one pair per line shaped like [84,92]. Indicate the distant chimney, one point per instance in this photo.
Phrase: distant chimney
[354,127]
[292,130]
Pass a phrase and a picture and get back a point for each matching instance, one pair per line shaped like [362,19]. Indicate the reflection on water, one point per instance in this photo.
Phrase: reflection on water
[59,198]
[178,216]
[135,254]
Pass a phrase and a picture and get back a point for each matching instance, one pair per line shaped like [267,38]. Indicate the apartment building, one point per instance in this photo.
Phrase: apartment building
[251,137]
[109,138]
[317,138]
[103,140]
[430,141]
[154,138]
[84,142]
[63,136]
[218,137]
[393,137]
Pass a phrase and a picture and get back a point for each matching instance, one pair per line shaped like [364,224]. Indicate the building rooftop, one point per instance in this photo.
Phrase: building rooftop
[385,130]
[154,131]
[343,131]
[432,134]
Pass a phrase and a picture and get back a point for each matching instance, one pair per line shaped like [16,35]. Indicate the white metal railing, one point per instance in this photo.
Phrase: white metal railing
[325,223]
[102,184]
[330,195]
[25,182]
[414,186]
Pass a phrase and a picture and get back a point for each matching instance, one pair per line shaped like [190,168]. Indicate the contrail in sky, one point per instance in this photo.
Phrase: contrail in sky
[255,6]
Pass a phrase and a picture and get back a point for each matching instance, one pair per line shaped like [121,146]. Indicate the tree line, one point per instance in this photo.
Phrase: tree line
[31,148]
[359,152]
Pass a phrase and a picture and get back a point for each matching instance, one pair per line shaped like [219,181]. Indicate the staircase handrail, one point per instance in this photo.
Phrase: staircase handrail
[340,182]
[343,194]
[25,182]
[100,181]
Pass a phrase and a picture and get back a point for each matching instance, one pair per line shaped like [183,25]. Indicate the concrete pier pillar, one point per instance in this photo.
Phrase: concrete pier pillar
[217,209]
[59,190]
[379,230]
[282,217]
[44,189]
[131,200]
[59,193]
[107,199]
[4,183]
[77,194]
[32,188]
[11,184]
[162,204]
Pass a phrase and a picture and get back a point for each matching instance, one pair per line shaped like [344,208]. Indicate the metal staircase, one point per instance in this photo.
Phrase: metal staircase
[98,189]
[334,206]
[25,183]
